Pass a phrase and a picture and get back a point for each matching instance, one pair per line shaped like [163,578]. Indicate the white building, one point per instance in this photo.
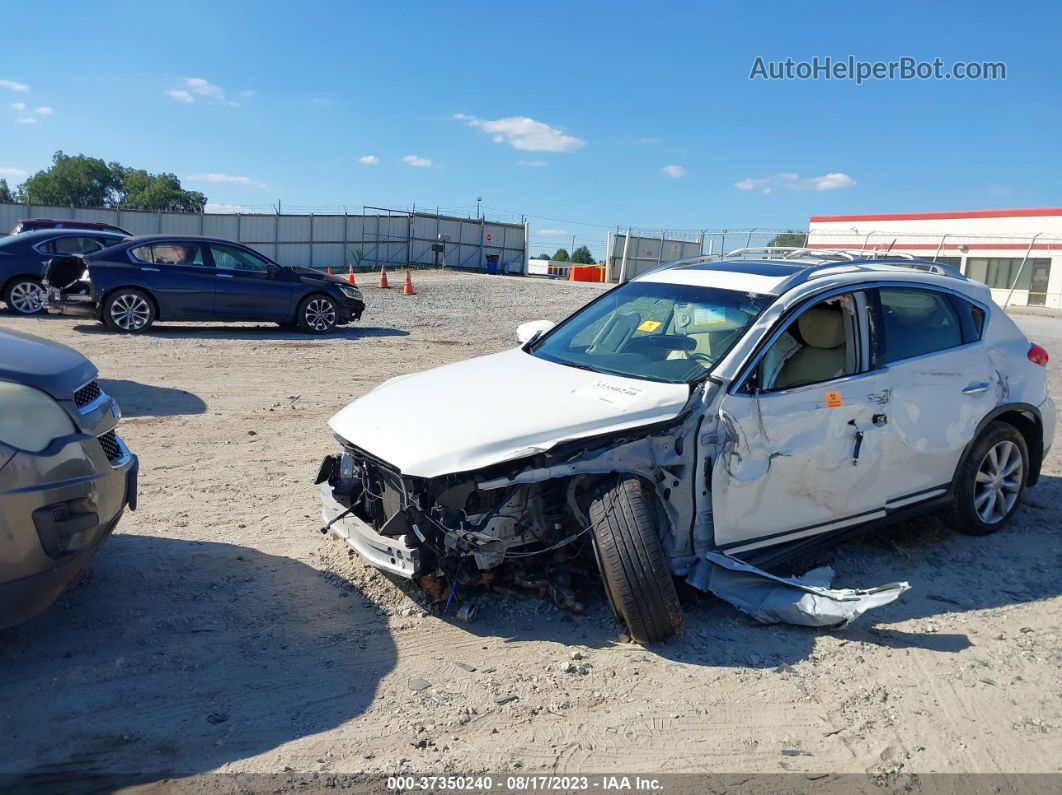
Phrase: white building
[988,245]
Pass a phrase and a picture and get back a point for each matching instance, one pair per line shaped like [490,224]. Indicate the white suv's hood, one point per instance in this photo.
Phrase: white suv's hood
[482,411]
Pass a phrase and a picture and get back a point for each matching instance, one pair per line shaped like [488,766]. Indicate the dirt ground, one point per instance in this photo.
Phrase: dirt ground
[220,630]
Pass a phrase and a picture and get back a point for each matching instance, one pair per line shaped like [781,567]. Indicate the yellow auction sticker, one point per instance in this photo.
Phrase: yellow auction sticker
[649,325]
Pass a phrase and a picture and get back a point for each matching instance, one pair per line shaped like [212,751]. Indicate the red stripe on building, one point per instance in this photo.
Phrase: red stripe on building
[1033,212]
[933,246]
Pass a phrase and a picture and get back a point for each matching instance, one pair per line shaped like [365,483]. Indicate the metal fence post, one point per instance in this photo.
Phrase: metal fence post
[1017,275]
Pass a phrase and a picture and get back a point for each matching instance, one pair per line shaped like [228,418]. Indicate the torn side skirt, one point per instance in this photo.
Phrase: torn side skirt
[807,601]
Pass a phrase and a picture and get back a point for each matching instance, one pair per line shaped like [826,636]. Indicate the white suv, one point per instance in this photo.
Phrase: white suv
[754,405]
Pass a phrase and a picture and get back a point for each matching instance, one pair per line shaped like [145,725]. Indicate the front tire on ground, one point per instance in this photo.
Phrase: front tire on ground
[317,314]
[128,311]
[24,296]
[991,481]
[632,562]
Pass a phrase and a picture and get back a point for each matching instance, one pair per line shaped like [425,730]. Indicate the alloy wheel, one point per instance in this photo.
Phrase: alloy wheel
[27,298]
[998,482]
[320,314]
[130,312]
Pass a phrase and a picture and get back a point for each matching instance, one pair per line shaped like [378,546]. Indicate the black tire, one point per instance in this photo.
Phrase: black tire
[128,311]
[317,314]
[18,295]
[970,512]
[632,562]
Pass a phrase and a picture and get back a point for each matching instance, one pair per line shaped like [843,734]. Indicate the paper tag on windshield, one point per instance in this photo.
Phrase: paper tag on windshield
[708,316]
[619,396]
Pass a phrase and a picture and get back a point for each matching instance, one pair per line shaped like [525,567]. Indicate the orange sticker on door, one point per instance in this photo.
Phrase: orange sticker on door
[834,400]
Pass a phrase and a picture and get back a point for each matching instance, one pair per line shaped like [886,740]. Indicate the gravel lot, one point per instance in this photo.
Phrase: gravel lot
[218,629]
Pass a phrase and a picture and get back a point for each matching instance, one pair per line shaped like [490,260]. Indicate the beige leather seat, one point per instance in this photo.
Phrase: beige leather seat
[823,355]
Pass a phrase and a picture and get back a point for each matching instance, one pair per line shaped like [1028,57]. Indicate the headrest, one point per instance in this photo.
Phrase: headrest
[821,327]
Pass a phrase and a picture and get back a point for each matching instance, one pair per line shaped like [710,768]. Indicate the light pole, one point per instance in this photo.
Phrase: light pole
[478,200]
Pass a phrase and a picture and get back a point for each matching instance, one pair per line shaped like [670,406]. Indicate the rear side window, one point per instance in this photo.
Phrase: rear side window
[169,254]
[71,245]
[917,322]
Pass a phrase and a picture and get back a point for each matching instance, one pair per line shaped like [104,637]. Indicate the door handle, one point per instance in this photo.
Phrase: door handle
[975,389]
[858,443]
[224,275]
[153,270]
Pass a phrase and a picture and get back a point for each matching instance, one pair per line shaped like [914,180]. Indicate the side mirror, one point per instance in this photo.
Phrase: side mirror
[526,332]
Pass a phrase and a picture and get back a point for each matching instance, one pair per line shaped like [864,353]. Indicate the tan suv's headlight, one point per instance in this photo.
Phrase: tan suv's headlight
[29,418]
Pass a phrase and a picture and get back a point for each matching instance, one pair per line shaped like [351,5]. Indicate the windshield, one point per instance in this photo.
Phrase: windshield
[661,332]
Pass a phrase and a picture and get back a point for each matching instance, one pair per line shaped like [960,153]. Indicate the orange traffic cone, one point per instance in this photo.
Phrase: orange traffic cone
[350,273]
[407,288]
[383,277]
[329,270]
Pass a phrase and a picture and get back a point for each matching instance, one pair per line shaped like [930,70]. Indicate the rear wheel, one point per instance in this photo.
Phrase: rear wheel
[128,311]
[991,481]
[317,314]
[632,562]
[25,296]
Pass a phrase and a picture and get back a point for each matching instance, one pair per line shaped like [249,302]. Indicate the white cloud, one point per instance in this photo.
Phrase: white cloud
[524,133]
[13,173]
[44,110]
[674,171]
[14,86]
[247,92]
[533,163]
[792,181]
[417,162]
[552,233]
[27,120]
[368,160]
[199,87]
[221,207]
[19,106]
[226,178]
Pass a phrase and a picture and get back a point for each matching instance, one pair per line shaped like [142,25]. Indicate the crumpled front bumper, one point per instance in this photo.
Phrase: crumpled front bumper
[392,555]
[57,508]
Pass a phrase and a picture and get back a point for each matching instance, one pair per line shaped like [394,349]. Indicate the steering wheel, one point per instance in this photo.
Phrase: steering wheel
[700,357]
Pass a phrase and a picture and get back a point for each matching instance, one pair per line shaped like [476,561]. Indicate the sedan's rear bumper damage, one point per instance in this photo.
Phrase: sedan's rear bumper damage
[393,555]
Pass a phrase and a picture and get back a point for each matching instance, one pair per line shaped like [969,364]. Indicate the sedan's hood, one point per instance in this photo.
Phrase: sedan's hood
[318,276]
[40,363]
[483,411]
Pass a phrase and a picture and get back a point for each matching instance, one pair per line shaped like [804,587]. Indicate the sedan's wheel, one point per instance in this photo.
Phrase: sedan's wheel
[25,296]
[632,561]
[128,311]
[991,481]
[318,314]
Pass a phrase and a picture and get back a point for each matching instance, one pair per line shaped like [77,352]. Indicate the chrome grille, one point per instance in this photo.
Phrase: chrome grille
[88,393]
[109,443]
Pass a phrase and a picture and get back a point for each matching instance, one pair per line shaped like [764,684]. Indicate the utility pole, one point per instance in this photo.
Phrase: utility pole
[478,200]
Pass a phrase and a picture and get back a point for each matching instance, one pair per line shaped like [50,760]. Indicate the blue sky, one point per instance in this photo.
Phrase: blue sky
[571,113]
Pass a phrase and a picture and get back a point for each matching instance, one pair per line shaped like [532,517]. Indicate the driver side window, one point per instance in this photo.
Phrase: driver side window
[820,344]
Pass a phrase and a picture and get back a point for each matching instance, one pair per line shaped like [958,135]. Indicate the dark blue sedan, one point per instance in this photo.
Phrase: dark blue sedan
[143,279]
[23,256]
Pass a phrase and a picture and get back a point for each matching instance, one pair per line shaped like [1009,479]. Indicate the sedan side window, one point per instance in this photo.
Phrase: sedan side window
[917,322]
[71,245]
[236,259]
[820,345]
[169,254]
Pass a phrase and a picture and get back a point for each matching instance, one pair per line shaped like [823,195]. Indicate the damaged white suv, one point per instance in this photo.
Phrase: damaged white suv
[711,414]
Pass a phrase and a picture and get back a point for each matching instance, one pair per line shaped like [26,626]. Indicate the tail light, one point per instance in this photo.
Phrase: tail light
[1037,355]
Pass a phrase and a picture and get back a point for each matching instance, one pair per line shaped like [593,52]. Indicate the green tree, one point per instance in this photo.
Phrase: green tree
[157,192]
[5,192]
[80,181]
[77,181]
[582,256]
[789,239]
[543,256]
[561,255]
